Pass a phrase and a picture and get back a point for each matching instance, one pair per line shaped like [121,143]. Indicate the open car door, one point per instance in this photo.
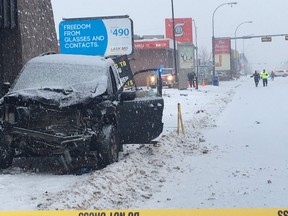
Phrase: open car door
[140,118]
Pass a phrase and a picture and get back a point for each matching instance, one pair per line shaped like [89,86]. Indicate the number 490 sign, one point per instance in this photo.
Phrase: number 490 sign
[121,32]
[104,36]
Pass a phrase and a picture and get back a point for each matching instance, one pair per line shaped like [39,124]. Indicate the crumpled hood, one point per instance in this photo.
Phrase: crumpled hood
[59,97]
[61,80]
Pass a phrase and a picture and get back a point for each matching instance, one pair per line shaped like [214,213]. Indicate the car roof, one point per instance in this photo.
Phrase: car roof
[72,59]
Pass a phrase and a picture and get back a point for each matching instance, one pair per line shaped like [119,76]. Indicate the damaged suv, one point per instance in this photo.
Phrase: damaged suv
[74,108]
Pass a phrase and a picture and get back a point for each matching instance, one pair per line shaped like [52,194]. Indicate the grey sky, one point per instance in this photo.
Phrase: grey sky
[268,16]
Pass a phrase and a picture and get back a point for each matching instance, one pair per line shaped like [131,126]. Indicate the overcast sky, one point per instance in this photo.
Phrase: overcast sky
[269,17]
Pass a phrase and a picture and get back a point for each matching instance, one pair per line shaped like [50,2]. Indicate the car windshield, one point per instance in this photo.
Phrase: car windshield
[42,75]
[168,71]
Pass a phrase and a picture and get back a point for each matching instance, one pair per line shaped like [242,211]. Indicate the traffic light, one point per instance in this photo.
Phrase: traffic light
[160,70]
[286,37]
[266,39]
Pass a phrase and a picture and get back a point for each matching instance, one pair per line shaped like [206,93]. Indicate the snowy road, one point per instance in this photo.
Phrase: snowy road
[249,167]
[233,154]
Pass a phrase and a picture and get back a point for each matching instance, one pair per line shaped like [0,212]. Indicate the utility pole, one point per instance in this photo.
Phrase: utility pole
[174,43]
[197,59]
[213,36]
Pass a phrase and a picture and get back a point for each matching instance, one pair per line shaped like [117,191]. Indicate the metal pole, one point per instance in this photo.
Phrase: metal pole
[235,34]
[174,43]
[213,36]
[235,51]
[159,84]
[213,45]
[197,60]
[1,64]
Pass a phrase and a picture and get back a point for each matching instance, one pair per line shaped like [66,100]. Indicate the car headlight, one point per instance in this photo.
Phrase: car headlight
[170,78]
[152,78]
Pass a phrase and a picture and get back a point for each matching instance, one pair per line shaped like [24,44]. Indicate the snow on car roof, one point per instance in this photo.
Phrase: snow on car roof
[71,59]
[62,79]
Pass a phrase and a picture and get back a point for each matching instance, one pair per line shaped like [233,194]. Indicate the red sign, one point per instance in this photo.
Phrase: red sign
[183,29]
[222,46]
[156,44]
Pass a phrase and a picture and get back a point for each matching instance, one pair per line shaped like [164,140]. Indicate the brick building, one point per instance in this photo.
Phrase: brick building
[27,29]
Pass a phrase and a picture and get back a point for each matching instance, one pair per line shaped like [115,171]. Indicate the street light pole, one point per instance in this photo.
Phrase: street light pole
[235,35]
[235,51]
[174,43]
[197,60]
[213,35]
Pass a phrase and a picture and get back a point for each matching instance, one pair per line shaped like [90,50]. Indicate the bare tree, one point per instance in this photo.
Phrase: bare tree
[204,55]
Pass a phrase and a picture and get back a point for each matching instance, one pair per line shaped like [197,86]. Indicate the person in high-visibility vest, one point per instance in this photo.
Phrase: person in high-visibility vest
[264,77]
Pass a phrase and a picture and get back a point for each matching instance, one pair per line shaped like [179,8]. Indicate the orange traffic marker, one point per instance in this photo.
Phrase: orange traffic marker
[203,83]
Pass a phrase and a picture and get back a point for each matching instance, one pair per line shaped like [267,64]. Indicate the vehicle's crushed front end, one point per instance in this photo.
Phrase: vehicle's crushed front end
[34,129]
[42,118]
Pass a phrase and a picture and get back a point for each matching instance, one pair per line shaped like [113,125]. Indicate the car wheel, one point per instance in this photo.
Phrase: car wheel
[6,153]
[108,149]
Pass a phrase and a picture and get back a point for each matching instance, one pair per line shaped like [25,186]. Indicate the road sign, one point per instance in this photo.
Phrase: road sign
[109,36]
[124,69]
[266,39]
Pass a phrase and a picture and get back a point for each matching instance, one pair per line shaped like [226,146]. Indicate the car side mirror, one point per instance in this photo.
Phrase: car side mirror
[128,95]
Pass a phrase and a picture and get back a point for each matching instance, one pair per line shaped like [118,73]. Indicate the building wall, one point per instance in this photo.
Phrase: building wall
[33,34]
[37,28]
[11,53]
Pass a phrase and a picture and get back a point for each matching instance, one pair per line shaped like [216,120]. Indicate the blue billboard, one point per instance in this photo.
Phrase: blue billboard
[104,37]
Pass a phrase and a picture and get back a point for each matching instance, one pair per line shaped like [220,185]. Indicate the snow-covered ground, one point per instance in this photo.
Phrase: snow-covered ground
[233,154]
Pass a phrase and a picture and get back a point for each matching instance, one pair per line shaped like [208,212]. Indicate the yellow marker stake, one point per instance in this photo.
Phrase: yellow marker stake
[180,122]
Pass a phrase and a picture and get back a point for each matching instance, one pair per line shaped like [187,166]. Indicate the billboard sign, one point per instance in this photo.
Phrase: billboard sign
[222,49]
[109,36]
[153,44]
[186,63]
[183,29]
[186,56]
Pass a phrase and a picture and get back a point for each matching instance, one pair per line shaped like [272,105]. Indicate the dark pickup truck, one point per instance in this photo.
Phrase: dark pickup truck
[77,109]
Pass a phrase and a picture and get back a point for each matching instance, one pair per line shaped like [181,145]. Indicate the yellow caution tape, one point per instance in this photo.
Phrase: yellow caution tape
[172,212]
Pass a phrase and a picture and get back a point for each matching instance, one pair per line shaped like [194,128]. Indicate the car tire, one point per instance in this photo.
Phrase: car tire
[6,153]
[108,148]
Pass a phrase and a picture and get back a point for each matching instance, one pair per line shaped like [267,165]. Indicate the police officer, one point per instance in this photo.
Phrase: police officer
[264,77]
